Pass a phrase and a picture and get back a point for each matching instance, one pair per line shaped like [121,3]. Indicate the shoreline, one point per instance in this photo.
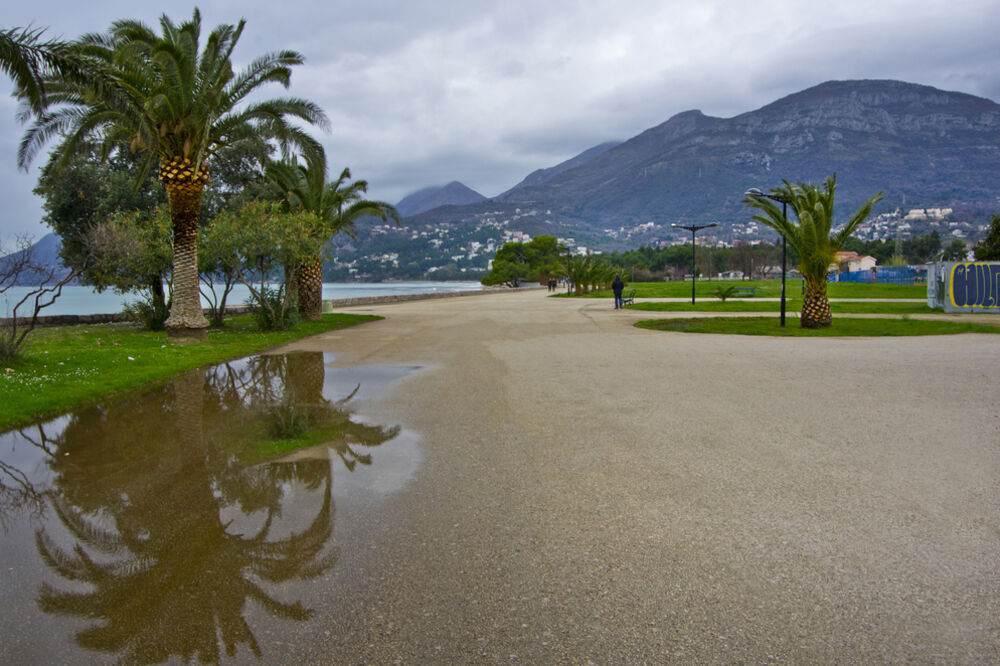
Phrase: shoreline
[329,305]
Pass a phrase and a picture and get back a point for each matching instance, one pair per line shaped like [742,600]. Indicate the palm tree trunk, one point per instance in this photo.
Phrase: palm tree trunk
[816,306]
[309,277]
[184,190]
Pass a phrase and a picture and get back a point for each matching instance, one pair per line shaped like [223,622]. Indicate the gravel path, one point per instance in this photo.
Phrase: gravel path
[592,492]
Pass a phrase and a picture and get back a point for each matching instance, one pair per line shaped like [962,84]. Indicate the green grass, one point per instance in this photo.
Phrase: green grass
[65,366]
[844,326]
[766,289]
[874,307]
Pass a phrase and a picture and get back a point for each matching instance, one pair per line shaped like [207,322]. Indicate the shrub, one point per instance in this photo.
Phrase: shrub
[272,310]
[148,313]
[724,292]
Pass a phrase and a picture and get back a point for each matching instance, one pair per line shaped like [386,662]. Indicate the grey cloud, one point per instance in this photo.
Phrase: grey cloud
[485,92]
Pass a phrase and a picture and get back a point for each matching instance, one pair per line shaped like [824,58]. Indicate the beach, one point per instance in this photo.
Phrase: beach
[591,492]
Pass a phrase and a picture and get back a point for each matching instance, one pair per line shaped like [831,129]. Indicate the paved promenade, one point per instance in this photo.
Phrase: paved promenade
[591,492]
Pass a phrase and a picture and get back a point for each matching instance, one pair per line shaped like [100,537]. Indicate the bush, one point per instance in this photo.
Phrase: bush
[724,292]
[272,310]
[148,314]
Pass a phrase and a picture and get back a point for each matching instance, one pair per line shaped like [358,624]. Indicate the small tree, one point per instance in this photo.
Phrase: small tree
[988,249]
[540,257]
[131,254]
[956,251]
[219,263]
[579,273]
[811,237]
[267,239]
[923,248]
[16,268]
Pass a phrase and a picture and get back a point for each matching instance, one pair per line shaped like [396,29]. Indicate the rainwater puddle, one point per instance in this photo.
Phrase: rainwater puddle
[186,522]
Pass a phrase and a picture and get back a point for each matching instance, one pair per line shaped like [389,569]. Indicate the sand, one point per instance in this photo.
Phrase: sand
[593,492]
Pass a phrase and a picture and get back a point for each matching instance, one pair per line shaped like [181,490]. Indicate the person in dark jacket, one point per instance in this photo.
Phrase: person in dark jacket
[617,286]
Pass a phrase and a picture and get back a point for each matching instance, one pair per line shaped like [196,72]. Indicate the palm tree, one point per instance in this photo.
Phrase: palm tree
[26,59]
[157,94]
[811,237]
[335,206]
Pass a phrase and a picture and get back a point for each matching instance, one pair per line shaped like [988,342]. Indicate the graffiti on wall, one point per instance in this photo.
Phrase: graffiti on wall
[975,284]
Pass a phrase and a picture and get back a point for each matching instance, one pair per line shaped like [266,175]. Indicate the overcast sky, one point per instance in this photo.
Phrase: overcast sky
[423,92]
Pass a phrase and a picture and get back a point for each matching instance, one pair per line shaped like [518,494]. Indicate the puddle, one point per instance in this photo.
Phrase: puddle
[162,525]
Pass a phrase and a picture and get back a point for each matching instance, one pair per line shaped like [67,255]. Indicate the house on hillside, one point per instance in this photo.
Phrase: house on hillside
[852,262]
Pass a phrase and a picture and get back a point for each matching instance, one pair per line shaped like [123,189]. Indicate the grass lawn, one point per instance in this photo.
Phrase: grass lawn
[841,327]
[861,307]
[69,365]
[766,289]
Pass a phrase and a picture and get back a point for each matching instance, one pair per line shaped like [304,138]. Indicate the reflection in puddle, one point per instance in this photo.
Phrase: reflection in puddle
[148,525]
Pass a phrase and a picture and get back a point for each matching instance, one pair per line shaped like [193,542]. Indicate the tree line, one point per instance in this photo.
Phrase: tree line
[161,149]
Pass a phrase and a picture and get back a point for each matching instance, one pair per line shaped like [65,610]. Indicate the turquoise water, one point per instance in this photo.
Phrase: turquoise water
[83,300]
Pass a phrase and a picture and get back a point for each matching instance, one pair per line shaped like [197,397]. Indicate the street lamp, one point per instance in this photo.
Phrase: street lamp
[755,193]
[569,268]
[694,228]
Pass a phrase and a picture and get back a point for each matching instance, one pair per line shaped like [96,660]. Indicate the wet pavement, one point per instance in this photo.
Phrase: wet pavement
[173,523]
[580,491]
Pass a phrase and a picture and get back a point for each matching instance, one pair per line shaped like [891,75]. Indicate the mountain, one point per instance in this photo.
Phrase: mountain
[919,145]
[541,176]
[44,254]
[452,194]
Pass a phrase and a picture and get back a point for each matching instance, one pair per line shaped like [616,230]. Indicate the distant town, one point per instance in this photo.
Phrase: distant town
[465,249]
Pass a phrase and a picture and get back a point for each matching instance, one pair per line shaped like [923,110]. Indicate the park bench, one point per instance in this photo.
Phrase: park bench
[744,291]
[630,299]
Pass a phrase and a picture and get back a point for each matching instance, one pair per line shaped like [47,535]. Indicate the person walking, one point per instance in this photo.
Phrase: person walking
[617,286]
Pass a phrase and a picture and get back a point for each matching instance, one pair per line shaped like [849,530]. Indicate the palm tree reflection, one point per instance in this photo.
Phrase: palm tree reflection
[172,531]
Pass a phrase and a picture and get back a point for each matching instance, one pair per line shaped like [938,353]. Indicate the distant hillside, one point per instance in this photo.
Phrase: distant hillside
[45,253]
[452,194]
[542,176]
[920,145]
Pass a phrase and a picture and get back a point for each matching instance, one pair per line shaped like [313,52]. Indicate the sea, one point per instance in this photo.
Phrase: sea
[79,300]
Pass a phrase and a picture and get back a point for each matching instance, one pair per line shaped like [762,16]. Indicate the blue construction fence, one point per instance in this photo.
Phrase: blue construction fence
[883,275]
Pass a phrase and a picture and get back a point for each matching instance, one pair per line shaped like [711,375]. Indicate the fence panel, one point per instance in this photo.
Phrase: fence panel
[882,275]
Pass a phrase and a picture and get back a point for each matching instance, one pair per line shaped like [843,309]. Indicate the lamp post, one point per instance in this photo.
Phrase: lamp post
[569,288]
[754,193]
[694,228]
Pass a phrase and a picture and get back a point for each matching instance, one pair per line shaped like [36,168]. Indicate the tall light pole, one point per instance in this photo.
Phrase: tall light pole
[569,267]
[755,193]
[694,228]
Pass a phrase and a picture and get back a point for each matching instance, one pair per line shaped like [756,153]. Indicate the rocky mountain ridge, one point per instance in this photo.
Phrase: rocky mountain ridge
[917,144]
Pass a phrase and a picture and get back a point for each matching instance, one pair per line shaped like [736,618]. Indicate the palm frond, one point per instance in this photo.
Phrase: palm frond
[811,236]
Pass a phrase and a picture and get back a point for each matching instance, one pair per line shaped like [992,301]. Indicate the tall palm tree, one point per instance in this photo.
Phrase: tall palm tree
[812,237]
[158,94]
[27,60]
[335,206]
